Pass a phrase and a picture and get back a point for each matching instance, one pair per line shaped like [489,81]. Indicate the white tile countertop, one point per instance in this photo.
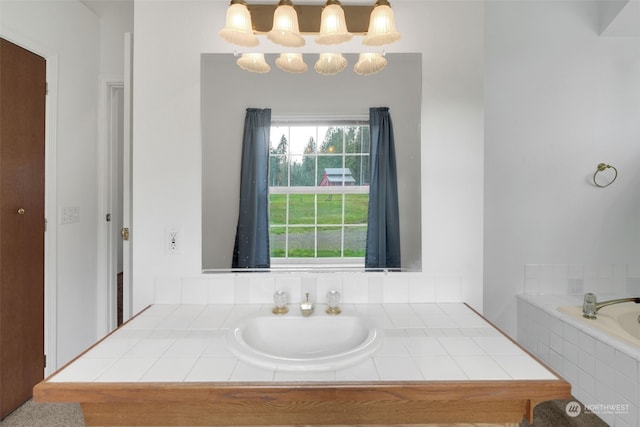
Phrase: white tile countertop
[421,342]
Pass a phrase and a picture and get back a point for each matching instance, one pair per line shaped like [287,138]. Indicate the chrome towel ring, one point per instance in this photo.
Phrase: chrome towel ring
[602,167]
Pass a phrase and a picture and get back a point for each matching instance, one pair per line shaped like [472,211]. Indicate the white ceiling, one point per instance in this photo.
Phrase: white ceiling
[100,7]
[620,18]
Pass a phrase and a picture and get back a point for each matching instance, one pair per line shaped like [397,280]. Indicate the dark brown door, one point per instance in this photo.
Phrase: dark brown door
[22,124]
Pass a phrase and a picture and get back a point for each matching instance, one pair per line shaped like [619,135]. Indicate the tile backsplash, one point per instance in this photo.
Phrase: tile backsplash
[576,279]
[258,288]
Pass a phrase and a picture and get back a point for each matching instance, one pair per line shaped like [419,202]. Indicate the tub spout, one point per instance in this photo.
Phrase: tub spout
[590,310]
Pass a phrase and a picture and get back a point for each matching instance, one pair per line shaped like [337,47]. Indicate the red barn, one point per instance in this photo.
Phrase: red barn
[337,177]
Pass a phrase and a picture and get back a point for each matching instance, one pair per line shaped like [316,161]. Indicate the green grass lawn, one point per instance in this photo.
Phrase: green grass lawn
[302,209]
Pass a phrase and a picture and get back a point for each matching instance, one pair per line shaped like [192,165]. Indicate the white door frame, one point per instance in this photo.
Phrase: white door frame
[110,117]
[109,237]
[127,180]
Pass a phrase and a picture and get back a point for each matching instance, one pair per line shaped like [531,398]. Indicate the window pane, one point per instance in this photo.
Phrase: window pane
[354,139]
[366,170]
[358,166]
[302,209]
[278,171]
[332,141]
[329,241]
[329,208]
[279,140]
[303,171]
[356,208]
[366,140]
[301,242]
[303,139]
[277,242]
[277,208]
[328,162]
[355,241]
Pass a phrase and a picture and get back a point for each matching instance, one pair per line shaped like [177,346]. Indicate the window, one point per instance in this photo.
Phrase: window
[318,192]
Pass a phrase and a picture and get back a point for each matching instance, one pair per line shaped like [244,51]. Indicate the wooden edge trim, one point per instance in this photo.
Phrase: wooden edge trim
[478,391]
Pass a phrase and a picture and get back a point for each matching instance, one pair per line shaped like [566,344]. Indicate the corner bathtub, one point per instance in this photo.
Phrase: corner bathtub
[600,358]
[619,320]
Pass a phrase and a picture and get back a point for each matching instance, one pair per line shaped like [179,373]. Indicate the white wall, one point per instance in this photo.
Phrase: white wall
[79,47]
[171,35]
[116,19]
[559,99]
[68,32]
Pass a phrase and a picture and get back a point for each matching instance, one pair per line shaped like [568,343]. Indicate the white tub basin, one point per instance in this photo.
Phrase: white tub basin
[293,342]
[620,320]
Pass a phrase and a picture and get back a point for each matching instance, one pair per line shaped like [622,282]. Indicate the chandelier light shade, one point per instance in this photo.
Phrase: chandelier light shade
[333,25]
[284,25]
[330,63]
[253,62]
[285,29]
[291,63]
[238,29]
[382,25]
[369,63]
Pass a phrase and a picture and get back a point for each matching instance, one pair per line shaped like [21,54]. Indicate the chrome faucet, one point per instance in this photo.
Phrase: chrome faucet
[591,307]
[306,307]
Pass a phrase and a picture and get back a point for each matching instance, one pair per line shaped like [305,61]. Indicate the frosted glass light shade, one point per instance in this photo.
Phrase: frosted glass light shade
[333,25]
[291,63]
[330,63]
[238,29]
[382,26]
[369,63]
[253,62]
[285,30]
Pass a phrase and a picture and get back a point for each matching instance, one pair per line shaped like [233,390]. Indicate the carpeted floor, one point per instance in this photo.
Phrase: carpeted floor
[554,414]
[32,414]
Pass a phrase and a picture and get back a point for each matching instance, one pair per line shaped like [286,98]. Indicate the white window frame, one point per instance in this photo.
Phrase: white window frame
[326,262]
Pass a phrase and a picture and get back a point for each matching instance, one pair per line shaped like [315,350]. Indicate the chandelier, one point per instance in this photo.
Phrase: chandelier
[328,23]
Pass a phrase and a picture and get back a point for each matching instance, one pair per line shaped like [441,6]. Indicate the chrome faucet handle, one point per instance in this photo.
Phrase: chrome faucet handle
[306,307]
[333,301]
[280,300]
[589,306]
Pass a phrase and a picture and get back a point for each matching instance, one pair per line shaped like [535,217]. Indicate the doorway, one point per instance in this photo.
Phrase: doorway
[110,266]
[22,223]
[114,266]
[114,217]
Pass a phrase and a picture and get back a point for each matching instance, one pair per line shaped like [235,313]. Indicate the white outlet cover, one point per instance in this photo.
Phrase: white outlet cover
[173,241]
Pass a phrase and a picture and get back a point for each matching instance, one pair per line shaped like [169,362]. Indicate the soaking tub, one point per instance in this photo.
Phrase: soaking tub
[600,358]
[620,320]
